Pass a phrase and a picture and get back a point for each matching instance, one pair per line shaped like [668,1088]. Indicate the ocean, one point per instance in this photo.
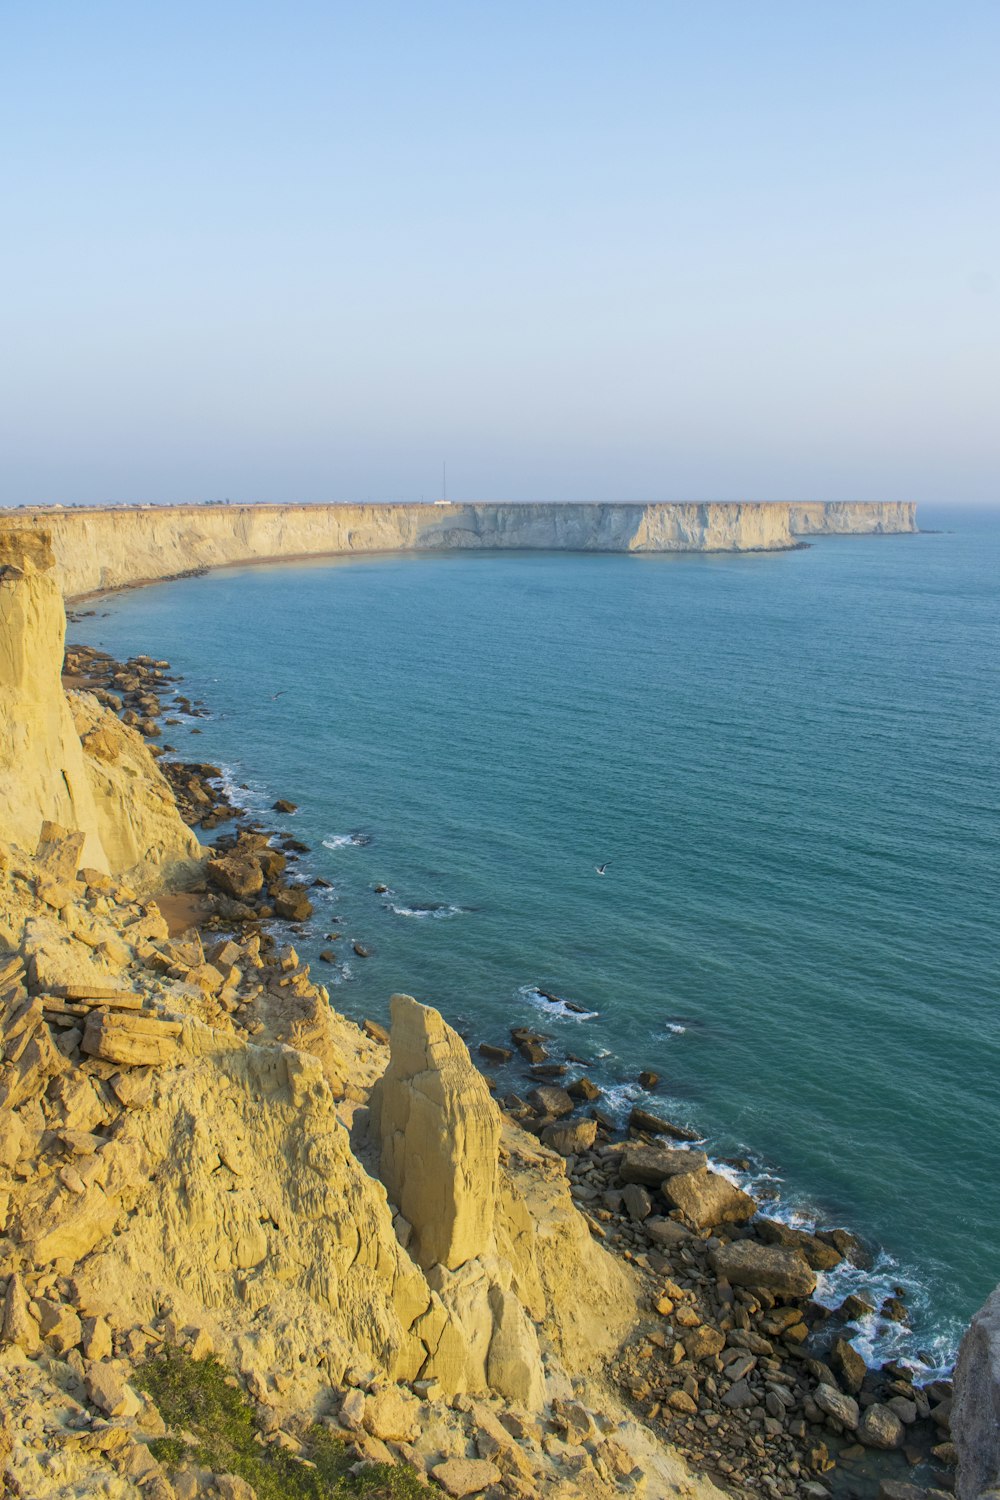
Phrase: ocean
[788,763]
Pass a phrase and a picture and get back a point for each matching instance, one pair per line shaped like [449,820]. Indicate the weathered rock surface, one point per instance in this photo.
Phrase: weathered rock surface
[707,1198]
[111,790]
[975,1417]
[784,1272]
[651,1165]
[439,1132]
[880,1427]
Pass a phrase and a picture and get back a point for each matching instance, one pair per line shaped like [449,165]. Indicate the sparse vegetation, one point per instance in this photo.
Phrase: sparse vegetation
[197,1398]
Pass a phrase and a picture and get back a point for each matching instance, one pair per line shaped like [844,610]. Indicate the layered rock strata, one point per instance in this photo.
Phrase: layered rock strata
[101,549]
[65,757]
[177,1169]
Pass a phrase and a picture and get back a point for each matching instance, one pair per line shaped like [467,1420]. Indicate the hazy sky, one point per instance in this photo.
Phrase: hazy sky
[720,249]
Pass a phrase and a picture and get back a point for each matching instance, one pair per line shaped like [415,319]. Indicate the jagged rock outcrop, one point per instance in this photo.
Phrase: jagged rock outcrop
[112,548]
[65,758]
[439,1134]
[503,1247]
[975,1417]
[853,517]
[42,769]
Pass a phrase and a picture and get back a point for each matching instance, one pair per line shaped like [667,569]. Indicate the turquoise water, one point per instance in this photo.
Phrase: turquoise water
[789,762]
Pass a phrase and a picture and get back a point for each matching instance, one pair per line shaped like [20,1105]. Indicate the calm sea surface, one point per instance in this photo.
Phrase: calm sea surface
[789,763]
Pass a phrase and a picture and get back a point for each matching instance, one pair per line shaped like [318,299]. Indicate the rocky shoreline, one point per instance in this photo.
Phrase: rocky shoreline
[734,1363]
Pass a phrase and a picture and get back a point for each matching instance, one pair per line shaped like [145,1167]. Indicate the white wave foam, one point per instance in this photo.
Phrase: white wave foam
[879,1339]
[554,1008]
[675,1028]
[617,1099]
[437,912]
[347,841]
[249,795]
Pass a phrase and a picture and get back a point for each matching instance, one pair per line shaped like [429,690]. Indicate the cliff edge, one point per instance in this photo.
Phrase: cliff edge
[65,758]
[100,549]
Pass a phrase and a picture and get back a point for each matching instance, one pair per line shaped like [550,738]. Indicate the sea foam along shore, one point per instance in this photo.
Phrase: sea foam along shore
[661,1235]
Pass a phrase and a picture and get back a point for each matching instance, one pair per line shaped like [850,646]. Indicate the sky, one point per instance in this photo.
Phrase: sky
[711,250]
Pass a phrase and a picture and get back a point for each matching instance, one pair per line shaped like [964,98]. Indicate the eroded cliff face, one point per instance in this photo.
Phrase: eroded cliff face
[108,549]
[183,1162]
[975,1421]
[65,758]
[853,518]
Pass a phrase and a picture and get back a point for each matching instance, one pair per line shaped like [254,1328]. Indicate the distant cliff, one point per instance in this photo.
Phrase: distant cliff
[857,518]
[99,549]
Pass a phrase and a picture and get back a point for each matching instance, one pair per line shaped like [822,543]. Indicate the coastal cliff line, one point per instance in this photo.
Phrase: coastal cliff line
[98,549]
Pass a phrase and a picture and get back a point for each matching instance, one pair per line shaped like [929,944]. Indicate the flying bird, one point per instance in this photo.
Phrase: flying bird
[601,868]
[278,694]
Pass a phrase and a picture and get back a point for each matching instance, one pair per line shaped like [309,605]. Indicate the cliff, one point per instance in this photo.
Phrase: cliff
[63,757]
[853,518]
[975,1421]
[107,549]
[187,1168]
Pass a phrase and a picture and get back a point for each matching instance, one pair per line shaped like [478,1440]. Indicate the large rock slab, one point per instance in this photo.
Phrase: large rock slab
[439,1132]
[975,1416]
[707,1198]
[784,1272]
[650,1165]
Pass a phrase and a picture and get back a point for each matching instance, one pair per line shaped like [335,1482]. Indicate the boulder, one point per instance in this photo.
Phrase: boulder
[495,1054]
[439,1132]
[707,1199]
[641,1119]
[583,1088]
[59,851]
[571,1138]
[843,1409]
[638,1203]
[547,1099]
[292,903]
[236,875]
[703,1342]
[19,1326]
[849,1366]
[651,1165]
[880,1428]
[820,1255]
[460,1477]
[110,1392]
[787,1273]
[514,1361]
[666,1232]
[131,1039]
[392,1415]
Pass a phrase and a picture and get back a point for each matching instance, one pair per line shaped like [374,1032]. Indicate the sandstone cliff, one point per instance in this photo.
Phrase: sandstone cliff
[853,518]
[66,758]
[108,549]
[176,1168]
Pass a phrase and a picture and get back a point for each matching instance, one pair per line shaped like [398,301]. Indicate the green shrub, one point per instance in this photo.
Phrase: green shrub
[195,1397]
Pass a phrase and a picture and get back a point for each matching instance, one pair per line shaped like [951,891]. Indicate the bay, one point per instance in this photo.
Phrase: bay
[788,762]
